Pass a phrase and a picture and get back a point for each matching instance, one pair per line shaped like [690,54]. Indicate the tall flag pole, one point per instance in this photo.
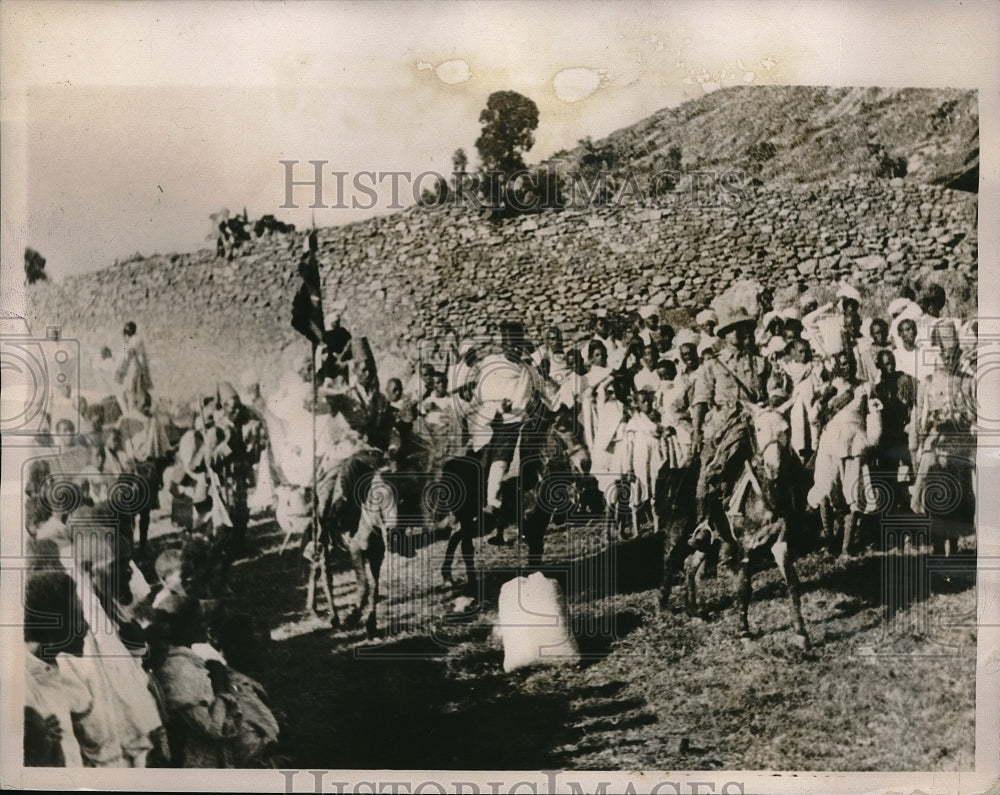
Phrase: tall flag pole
[307,306]
[307,319]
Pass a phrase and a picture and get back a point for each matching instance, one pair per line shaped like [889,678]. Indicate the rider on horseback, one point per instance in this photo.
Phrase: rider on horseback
[722,436]
[507,407]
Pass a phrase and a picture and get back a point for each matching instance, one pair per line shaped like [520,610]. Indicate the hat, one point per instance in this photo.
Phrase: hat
[685,336]
[736,317]
[361,350]
[513,335]
[706,316]
[897,305]
[226,392]
[791,313]
[845,290]
[774,345]
[646,312]
[806,299]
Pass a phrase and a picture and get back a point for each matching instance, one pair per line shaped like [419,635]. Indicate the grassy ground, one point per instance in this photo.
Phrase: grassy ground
[878,690]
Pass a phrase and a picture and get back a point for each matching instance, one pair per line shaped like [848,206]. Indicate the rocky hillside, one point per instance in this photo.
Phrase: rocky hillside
[779,134]
[403,275]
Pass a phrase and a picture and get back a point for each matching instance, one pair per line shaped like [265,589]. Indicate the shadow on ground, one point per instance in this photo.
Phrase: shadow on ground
[404,709]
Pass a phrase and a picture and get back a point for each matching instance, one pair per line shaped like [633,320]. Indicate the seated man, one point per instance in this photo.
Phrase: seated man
[335,352]
[721,428]
[507,400]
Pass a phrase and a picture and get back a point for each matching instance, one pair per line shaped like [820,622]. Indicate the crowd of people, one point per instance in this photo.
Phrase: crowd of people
[131,659]
[133,675]
[875,408]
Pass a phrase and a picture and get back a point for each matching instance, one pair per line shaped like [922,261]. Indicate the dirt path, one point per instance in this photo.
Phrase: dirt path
[656,689]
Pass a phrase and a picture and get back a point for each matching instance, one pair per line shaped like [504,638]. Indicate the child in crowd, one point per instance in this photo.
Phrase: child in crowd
[442,423]
[168,568]
[673,398]
[805,380]
[664,340]
[402,408]
[644,456]
[646,377]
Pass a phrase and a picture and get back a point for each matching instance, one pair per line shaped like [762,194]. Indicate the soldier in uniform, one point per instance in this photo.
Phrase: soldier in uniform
[722,429]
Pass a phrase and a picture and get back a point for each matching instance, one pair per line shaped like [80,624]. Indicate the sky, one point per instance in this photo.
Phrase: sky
[125,125]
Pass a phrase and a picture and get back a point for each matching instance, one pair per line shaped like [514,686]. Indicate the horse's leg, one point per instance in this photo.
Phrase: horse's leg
[673,563]
[453,541]
[311,588]
[787,569]
[536,522]
[729,552]
[692,565]
[495,502]
[326,582]
[851,526]
[359,567]
[744,588]
[375,555]
[359,564]
[465,535]
[468,470]
[453,468]
[828,522]
[667,583]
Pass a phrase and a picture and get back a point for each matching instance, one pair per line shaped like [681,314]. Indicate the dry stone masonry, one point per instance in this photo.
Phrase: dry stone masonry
[207,319]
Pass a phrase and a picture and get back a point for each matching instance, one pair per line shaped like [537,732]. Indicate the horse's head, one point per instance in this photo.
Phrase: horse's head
[772,434]
[769,464]
[566,444]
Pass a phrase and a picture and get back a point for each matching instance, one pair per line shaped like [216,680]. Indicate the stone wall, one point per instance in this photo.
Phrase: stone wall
[206,319]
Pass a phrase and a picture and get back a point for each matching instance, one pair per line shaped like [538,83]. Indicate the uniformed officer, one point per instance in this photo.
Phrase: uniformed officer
[722,428]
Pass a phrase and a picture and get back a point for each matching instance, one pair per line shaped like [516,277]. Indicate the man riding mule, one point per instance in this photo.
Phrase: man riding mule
[528,456]
[331,488]
[506,415]
[740,465]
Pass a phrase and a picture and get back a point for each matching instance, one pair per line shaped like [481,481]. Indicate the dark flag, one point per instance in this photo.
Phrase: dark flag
[307,306]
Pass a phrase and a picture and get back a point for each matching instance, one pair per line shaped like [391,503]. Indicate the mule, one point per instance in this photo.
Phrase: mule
[348,517]
[552,475]
[355,513]
[765,510]
[553,462]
